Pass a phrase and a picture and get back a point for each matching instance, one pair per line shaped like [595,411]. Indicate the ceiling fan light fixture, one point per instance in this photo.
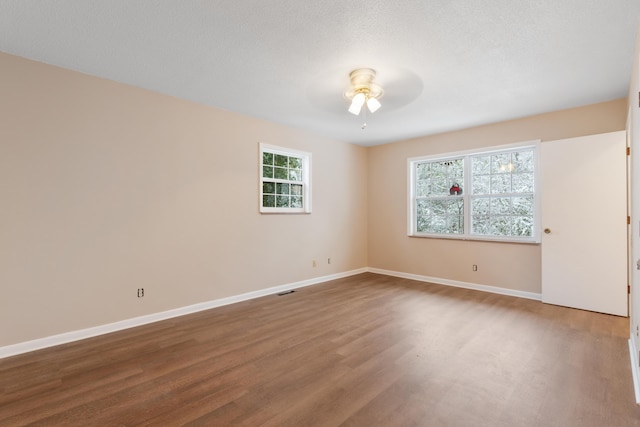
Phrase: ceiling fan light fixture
[363,91]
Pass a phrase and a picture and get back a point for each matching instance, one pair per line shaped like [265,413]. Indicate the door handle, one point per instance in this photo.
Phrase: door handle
[547,230]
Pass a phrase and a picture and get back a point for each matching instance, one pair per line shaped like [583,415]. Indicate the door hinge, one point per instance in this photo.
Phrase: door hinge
[629,289]
[628,220]
[628,151]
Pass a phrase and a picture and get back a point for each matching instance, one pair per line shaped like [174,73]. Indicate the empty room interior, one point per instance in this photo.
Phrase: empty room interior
[424,213]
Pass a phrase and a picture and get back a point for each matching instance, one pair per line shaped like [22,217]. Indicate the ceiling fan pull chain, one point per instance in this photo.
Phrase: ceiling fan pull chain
[364,118]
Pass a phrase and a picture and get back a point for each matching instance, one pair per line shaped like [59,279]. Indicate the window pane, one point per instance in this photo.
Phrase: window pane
[281,173]
[295,163]
[296,189]
[501,163]
[267,171]
[437,207]
[423,215]
[500,183]
[523,206]
[481,165]
[482,184]
[522,182]
[500,206]
[267,158]
[453,207]
[522,226]
[422,188]
[455,210]
[282,188]
[269,201]
[282,201]
[455,224]
[439,185]
[440,188]
[480,207]
[296,201]
[522,161]
[268,188]
[480,224]
[282,161]
[422,171]
[295,175]
[438,225]
[501,226]
[455,171]
[436,168]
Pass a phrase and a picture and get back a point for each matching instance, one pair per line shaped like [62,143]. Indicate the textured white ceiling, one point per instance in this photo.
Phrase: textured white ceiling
[444,64]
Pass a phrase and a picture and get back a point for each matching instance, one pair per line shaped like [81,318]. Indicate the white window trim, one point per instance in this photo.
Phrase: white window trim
[306,179]
[466,195]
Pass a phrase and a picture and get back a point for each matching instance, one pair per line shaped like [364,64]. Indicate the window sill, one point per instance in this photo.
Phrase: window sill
[271,211]
[494,239]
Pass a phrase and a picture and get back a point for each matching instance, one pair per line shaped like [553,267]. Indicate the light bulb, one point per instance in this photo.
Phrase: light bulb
[356,103]
[373,104]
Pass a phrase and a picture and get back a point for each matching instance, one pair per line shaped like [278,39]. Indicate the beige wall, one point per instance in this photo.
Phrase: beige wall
[506,265]
[106,188]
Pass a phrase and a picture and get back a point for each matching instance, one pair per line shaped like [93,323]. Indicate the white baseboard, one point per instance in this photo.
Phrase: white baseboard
[633,355]
[37,344]
[458,284]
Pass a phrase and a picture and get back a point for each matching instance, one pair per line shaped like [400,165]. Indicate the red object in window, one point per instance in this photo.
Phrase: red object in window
[455,190]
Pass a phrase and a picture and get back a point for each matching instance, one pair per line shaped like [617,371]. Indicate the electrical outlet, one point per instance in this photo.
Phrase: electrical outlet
[140,292]
[313,263]
[475,267]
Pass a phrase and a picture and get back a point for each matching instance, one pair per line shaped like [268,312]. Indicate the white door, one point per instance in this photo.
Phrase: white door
[584,242]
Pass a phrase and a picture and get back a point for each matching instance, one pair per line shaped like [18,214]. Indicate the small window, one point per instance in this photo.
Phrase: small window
[285,185]
[483,195]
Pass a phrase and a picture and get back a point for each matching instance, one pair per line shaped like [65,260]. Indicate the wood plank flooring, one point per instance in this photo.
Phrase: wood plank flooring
[368,350]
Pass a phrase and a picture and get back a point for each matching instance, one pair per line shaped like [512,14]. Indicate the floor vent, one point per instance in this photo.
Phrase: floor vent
[285,293]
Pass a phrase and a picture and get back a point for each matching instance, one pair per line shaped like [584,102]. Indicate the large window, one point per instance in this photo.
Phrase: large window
[484,195]
[285,184]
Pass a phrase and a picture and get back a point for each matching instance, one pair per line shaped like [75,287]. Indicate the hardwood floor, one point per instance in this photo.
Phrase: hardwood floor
[368,350]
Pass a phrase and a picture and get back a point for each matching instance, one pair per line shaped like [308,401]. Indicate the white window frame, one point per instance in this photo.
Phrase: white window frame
[467,196]
[305,181]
